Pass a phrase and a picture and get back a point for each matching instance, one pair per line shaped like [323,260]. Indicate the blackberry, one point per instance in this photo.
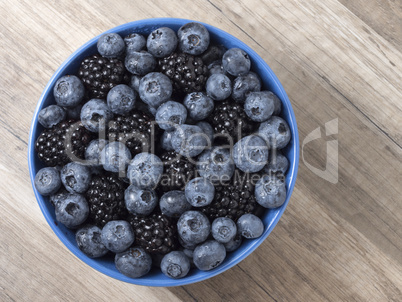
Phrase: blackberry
[100,74]
[235,198]
[178,170]
[156,233]
[229,119]
[188,73]
[105,197]
[134,130]
[54,145]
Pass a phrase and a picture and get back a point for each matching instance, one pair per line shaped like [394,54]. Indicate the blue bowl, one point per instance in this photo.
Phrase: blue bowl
[271,217]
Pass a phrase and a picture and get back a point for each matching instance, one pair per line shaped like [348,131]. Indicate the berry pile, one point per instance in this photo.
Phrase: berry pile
[173,154]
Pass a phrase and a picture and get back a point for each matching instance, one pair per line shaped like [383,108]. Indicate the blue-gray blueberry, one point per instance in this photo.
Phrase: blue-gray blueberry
[162,42]
[89,241]
[209,255]
[140,201]
[199,192]
[236,62]
[250,154]
[199,105]
[111,45]
[250,226]
[75,177]
[117,235]
[68,91]
[95,115]
[174,203]
[175,265]
[145,170]
[134,262]
[51,115]
[121,99]
[193,38]
[72,210]
[47,181]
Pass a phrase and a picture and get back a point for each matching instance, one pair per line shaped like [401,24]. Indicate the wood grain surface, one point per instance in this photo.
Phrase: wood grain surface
[336,59]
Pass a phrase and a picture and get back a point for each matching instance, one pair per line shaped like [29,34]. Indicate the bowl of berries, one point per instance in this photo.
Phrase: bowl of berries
[163,152]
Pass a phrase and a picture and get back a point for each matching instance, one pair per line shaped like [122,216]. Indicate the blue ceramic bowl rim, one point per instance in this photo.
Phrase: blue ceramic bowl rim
[292,172]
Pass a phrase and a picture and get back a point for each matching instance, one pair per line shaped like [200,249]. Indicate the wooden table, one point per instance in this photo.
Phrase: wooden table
[340,237]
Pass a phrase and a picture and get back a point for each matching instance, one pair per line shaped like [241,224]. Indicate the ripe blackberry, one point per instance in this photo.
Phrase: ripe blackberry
[178,170]
[135,130]
[105,197]
[229,118]
[156,233]
[100,74]
[235,198]
[54,145]
[188,73]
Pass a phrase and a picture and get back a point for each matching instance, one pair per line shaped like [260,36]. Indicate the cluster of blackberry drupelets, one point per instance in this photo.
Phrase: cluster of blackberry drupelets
[162,147]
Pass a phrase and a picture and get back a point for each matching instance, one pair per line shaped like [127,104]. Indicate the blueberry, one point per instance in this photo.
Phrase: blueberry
[199,105]
[133,263]
[140,63]
[193,227]
[193,38]
[277,164]
[89,241]
[216,165]
[175,265]
[259,106]
[135,42]
[250,154]
[199,192]
[111,45]
[244,84]
[250,226]
[68,91]
[117,235]
[75,177]
[73,112]
[115,157]
[174,203]
[140,201]
[93,152]
[72,210]
[223,229]
[270,191]
[208,130]
[275,131]
[47,181]
[95,115]
[121,99]
[166,140]
[145,170]
[209,255]
[51,115]
[135,83]
[162,42]
[155,88]
[189,140]
[213,53]
[218,87]
[236,62]
[170,114]
[234,244]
